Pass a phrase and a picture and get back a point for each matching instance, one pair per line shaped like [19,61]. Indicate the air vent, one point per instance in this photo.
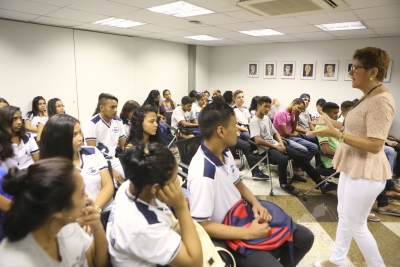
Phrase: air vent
[274,8]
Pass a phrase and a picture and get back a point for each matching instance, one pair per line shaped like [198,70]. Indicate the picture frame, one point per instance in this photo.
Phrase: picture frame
[388,73]
[253,69]
[349,63]
[307,71]
[288,69]
[330,70]
[269,69]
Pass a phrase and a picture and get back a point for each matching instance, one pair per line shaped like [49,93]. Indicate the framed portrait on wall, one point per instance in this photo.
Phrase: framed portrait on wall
[252,69]
[330,70]
[349,63]
[288,69]
[270,70]
[307,71]
[388,73]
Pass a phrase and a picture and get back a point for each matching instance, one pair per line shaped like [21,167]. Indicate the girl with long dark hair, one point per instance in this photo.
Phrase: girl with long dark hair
[126,114]
[168,105]
[153,100]
[54,106]
[37,114]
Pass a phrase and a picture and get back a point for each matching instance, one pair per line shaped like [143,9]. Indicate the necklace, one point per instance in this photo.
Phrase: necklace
[359,101]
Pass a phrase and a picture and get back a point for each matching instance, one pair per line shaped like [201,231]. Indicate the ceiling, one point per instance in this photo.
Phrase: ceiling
[382,18]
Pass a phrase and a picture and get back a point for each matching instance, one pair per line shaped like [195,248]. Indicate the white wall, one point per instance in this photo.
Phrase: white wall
[40,60]
[228,70]
[202,68]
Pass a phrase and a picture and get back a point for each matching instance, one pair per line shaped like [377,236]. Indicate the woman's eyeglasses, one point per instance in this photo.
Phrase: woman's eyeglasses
[355,67]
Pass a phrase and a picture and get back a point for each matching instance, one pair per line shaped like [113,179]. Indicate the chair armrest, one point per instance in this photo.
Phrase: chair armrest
[183,165]
[182,174]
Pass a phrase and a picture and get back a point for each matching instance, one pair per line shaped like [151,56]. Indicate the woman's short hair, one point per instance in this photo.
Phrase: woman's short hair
[373,57]
[148,165]
[6,122]
[129,106]
[39,191]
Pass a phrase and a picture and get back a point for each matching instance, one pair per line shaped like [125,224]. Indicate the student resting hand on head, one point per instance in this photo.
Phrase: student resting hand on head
[36,115]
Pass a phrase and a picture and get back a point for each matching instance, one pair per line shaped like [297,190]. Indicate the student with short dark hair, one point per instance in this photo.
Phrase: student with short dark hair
[319,104]
[36,115]
[215,186]
[192,95]
[126,114]
[17,147]
[65,131]
[228,96]
[3,103]
[139,230]
[41,227]
[184,115]
[344,108]
[106,131]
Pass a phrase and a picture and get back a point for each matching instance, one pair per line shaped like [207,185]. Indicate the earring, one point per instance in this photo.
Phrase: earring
[370,78]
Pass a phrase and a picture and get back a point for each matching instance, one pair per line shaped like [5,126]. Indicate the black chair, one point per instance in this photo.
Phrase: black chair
[187,149]
[172,132]
[104,218]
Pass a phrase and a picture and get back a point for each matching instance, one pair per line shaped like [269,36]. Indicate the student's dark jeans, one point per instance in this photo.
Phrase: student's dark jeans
[244,146]
[303,240]
[397,149]
[282,160]
[382,198]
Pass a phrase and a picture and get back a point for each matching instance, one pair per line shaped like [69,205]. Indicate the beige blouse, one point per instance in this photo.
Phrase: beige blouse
[371,118]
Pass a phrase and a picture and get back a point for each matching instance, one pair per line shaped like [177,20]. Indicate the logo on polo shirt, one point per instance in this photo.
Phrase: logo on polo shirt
[92,171]
[115,129]
[233,169]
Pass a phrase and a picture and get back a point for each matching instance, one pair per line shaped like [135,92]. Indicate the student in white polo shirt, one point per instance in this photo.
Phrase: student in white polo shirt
[215,186]
[139,229]
[36,115]
[184,115]
[106,131]
[242,114]
[17,148]
[65,131]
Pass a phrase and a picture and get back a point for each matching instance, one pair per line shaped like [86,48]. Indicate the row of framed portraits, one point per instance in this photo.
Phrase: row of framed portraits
[330,70]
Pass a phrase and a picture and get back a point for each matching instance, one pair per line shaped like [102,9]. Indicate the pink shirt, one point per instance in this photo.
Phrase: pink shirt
[283,117]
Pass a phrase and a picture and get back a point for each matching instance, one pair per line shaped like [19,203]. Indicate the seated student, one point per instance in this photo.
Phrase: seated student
[207,96]
[54,106]
[394,142]
[253,106]
[41,226]
[3,103]
[36,115]
[265,134]
[215,93]
[105,131]
[139,231]
[344,108]
[242,114]
[215,186]
[304,124]
[168,105]
[317,114]
[201,101]
[285,122]
[17,147]
[65,131]
[185,116]
[274,108]
[126,115]
[228,96]
[192,95]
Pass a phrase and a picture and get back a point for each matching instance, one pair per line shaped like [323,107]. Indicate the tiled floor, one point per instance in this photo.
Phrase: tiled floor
[319,214]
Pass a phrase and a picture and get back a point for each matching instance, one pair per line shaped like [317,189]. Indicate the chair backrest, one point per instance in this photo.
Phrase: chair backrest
[188,147]
[168,117]
[104,218]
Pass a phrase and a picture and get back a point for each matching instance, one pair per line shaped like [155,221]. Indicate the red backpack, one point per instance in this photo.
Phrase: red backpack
[282,228]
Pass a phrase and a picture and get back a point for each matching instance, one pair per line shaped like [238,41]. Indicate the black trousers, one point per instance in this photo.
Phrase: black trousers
[397,149]
[303,240]
[382,199]
[244,146]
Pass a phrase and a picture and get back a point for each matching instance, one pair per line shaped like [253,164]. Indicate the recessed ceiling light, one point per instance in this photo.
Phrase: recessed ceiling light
[180,9]
[264,32]
[343,26]
[120,23]
[203,38]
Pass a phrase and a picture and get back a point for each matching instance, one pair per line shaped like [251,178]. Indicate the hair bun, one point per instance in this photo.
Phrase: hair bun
[14,181]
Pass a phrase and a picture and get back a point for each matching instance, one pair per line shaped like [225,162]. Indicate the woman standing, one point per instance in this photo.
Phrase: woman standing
[17,147]
[36,115]
[41,226]
[65,131]
[360,158]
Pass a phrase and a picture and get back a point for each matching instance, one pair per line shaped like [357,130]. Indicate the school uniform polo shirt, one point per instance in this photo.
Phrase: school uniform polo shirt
[35,121]
[105,134]
[139,234]
[242,116]
[211,184]
[23,152]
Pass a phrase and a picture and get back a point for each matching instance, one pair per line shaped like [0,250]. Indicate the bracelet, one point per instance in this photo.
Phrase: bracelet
[341,139]
[98,209]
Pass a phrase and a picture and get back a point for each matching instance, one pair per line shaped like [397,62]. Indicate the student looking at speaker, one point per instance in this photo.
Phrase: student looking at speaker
[54,106]
[17,147]
[126,114]
[36,115]
[139,231]
[65,131]
[41,226]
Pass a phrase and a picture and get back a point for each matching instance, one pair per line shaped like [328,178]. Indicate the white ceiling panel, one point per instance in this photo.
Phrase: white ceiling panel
[153,28]
[76,15]
[131,32]
[216,6]
[215,19]
[353,32]
[280,38]
[299,29]
[155,35]
[56,22]
[207,30]
[320,39]
[143,15]
[283,22]
[180,33]
[8,14]
[61,3]
[144,3]
[102,7]
[354,4]
[229,35]
[379,12]
[383,23]
[95,27]
[394,30]
[321,34]
[358,36]
[27,7]
[243,26]
[329,17]
[179,24]
[250,39]
[244,15]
